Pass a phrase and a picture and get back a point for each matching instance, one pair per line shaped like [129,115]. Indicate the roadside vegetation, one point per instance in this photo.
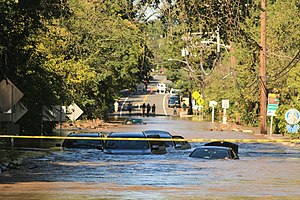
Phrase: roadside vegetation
[59,52]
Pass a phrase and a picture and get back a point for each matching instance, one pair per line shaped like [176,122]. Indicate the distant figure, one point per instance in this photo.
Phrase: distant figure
[184,106]
[175,110]
[153,109]
[129,107]
[116,106]
[144,109]
[148,109]
[151,91]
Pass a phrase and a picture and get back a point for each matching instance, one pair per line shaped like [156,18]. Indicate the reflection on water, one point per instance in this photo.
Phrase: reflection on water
[264,171]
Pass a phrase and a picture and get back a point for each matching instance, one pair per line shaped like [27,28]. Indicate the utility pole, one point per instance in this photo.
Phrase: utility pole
[262,77]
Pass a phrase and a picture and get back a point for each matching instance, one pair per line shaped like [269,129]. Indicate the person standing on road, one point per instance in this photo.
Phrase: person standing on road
[175,110]
[116,106]
[184,106]
[153,110]
[144,109]
[148,109]
[129,107]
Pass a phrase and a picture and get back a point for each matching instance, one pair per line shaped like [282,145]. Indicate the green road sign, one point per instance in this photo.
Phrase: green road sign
[272,106]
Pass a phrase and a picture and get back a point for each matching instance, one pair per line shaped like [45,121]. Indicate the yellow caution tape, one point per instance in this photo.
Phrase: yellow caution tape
[157,139]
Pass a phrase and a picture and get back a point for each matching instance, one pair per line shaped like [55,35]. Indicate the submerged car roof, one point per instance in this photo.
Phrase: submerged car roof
[127,134]
[89,134]
[234,147]
[157,132]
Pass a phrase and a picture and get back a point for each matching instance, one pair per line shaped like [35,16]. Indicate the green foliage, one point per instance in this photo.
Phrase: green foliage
[61,52]
[239,25]
[71,51]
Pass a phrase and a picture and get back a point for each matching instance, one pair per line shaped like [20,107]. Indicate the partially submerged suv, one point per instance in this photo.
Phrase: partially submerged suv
[178,145]
[216,150]
[134,145]
[97,143]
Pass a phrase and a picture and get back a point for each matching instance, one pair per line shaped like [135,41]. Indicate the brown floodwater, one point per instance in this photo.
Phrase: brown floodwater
[264,171]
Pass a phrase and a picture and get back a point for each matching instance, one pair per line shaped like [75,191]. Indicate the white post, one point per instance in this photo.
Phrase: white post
[218,42]
[224,116]
[271,126]
[213,114]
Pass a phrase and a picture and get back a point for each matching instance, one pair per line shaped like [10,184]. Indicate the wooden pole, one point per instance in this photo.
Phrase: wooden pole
[263,89]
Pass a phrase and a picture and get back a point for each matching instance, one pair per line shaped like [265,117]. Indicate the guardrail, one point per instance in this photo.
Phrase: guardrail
[155,139]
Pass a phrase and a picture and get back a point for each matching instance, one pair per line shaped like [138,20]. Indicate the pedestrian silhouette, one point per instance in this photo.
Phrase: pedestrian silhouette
[184,106]
[148,109]
[153,109]
[129,107]
[175,110]
[144,109]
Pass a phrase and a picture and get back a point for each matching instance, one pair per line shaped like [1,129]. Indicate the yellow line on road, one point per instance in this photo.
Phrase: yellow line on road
[157,139]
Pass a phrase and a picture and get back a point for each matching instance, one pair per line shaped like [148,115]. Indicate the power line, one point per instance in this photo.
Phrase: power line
[289,67]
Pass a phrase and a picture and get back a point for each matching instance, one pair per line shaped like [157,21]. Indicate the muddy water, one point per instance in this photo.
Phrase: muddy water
[264,171]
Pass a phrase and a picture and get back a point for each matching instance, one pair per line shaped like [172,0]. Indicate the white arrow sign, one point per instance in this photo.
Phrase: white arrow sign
[55,114]
[20,110]
[74,112]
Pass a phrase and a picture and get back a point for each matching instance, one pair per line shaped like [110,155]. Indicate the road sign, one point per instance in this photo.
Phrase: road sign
[200,101]
[19,111]
[74,112]
[225,103]
[9,95]
[271,112]
[196,95]
[212,103]
[273,98]
[292,116]
[54,114]
[272,106]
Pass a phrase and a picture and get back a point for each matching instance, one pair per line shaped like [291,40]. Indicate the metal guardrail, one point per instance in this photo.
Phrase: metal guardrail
[155,139]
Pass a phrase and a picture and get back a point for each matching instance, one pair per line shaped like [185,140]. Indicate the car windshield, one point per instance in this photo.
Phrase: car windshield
[127,144]
[171,100]
[70,143]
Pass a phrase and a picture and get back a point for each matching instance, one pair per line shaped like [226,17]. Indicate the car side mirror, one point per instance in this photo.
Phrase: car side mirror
[178,146]
[99,148]
[155,147]
[58,145]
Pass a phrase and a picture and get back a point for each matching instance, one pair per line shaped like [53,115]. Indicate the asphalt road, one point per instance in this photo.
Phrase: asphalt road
[137,99]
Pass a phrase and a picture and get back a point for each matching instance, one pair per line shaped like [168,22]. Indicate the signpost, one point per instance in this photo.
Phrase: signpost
[10,95]
[292,117]
[196,95]
[11,109]
[54,114]
[20,110]
[273,101]
[212,104]
[74,112]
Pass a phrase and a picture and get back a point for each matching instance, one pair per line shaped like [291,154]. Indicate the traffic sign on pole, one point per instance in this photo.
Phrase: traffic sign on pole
[74,112]
[54,114]
[9,95]
[19,111]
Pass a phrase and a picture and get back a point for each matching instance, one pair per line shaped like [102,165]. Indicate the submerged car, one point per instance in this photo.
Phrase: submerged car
[216,150]
[96,143]
[136,145]
[178,145]
[133,121]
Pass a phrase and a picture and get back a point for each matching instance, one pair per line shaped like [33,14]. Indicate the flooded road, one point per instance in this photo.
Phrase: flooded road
[264,171]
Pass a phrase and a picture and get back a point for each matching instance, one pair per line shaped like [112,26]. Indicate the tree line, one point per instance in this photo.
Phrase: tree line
[85,51]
